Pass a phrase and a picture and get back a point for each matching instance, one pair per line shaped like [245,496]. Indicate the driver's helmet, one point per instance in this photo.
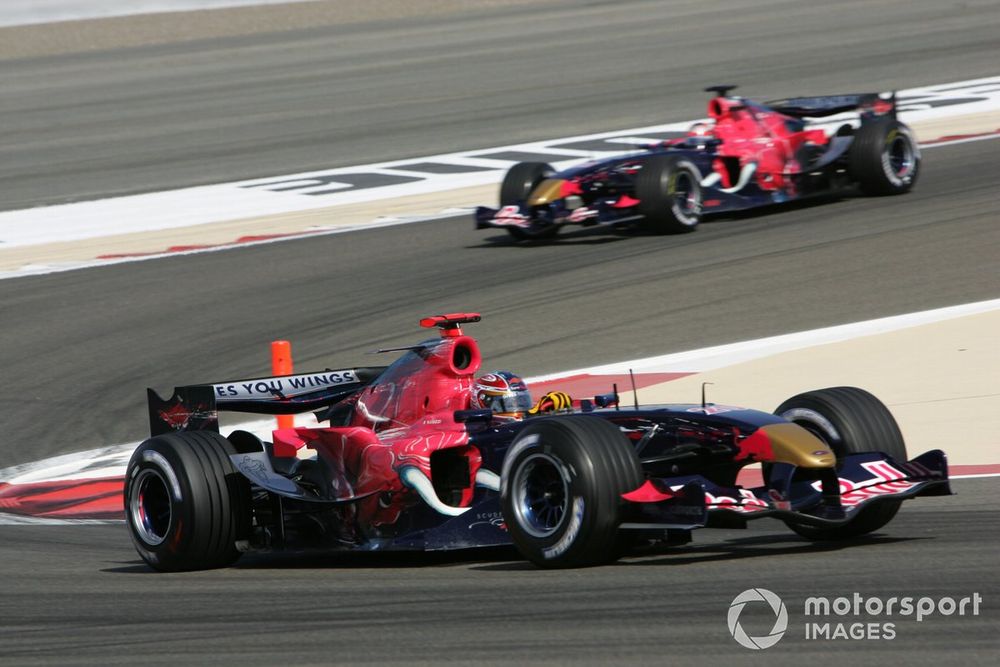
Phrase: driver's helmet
[700,129]
[502,392]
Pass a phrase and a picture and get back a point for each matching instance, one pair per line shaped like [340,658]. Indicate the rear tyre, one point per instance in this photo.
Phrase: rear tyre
[185,505]
[560,491]
[520,180]
[884,158]
[669,191]
[850,421]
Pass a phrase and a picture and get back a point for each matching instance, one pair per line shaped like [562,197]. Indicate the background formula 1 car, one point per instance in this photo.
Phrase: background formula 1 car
[400,461]
[747,155]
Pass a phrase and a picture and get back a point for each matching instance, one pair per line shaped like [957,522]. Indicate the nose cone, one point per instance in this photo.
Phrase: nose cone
[546,192]
[790,443]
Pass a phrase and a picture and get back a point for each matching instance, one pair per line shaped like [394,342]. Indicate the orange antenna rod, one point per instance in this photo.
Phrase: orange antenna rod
[281,364]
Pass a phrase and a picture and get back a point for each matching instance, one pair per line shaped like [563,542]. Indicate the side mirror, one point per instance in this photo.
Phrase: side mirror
[606,400]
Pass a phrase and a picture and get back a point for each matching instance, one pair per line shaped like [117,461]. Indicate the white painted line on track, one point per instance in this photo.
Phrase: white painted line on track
[963,140]
[21,520]
[34,12]
[103,462]
[711,358]
[44,269]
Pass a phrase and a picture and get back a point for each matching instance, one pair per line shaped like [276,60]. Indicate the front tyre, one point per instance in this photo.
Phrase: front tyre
[669,191]
[560,490]
[884,158]
[517,185]
[850,421]
[185,505]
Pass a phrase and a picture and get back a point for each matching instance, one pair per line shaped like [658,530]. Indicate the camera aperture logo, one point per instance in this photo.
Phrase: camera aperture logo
[855,617]
[780,618]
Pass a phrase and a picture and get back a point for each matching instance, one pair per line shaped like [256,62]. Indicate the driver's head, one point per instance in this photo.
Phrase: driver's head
[502,392]
[700,129]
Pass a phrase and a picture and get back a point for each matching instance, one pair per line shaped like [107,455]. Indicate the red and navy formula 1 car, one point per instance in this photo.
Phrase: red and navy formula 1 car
[423,455]
[747,155]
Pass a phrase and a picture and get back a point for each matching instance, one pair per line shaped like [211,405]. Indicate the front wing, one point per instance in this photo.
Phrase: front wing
[530,224]
[830,500]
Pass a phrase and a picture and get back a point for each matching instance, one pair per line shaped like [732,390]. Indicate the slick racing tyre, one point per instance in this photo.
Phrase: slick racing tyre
[520,180]
[850,421]
[185,505]
[669,191]
[560,490]
[884,158]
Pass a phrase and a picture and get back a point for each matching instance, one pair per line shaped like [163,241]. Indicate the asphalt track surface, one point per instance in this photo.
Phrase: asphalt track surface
[289,99]
[78,348]
[78,595]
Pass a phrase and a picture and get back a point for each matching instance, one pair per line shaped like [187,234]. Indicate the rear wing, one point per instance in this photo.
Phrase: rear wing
[197,407]
[866,104]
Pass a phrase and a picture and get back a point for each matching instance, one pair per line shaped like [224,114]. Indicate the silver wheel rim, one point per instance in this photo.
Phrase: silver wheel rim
[150,510]
[541,495]
[899,158]
[686,195]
